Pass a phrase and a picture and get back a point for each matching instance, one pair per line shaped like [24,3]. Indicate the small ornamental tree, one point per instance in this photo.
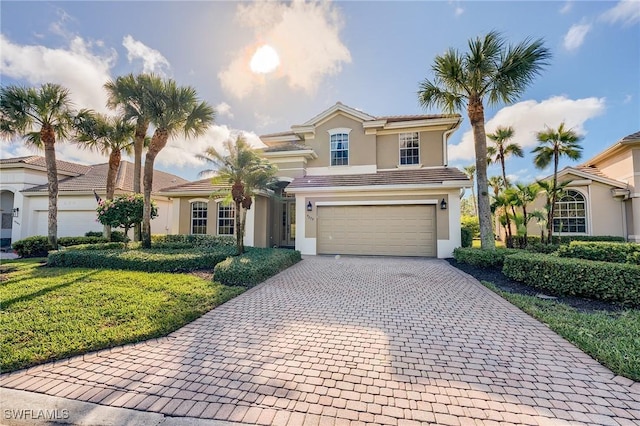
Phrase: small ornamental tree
[123,212]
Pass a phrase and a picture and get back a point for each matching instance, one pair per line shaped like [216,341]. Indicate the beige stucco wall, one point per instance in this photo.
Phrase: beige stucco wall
[442,216]
[362,148]
[291,169]
[261,219]
[620,166]
[388,150]
[184,226]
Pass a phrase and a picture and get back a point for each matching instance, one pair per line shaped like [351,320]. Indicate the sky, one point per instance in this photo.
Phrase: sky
[370,55]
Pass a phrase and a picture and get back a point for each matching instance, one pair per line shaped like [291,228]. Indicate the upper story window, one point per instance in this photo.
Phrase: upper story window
[570,213]
[409,148]
[199,217]
[339,140]
[226,218]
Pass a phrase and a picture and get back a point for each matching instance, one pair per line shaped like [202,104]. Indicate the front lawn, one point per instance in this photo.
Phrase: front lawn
[53,313]
[612,338]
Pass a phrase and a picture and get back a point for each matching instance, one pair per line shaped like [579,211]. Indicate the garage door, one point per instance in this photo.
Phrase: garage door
[395,230]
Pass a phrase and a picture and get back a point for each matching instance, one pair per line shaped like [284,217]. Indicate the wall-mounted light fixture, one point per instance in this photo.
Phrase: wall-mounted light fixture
[443,204]
[309,206]
[15,211]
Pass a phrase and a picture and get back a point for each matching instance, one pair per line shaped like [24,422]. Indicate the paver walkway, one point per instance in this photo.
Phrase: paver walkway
[354,341]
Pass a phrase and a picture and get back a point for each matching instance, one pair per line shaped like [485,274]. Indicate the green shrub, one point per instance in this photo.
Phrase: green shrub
[634,258]
[196,240]
[566,239]
[603,251]
[74,241]
[116,236]
[152,260]
[36,246]
[466,236]
[612,282]
[539,247]
[472,223]
[93,234]
[98,246]
[483,258]
[255,266]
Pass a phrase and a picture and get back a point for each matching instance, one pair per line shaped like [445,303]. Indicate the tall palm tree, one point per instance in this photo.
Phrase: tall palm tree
[470,171]
[497,154]
[491,71]
[131,95]
[552,193]
[243,173]
[172,110]
[497,184]
[109,136]
[40,116]
[524,195]
[553,144]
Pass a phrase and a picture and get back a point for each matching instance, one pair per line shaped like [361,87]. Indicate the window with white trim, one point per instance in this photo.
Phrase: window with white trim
[199,217]
[570,214]
[226,219]
[409,148]
[339,149]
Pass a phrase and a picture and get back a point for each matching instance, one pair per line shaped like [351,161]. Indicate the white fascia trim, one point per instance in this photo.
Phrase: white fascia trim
[373,188]
[376,203]
[185,193]
[303,154]
[341,170]
[336,108]
[571,170]
[427,122]
[339,130]
[287,138]
[37,168]
[303,129]
[194,200]
[374,124]
[580,182]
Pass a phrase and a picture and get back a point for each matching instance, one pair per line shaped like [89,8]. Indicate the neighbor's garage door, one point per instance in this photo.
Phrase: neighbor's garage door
[77,223]
[394,230]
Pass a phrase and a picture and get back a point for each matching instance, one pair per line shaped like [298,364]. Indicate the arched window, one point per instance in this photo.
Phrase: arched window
[571,213]
[199,217]
[226,218]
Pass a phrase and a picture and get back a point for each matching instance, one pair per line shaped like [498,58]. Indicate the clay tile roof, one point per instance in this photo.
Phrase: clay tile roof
[632,137]
[288,146]
[591,170]
[96,178]
[203,185]
[392,177]
[394,118]
[38,161]
[270,135]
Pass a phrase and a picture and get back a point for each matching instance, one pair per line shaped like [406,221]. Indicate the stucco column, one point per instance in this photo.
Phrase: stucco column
[635,209]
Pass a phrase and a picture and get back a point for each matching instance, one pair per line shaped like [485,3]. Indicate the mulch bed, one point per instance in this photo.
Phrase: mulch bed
[504,283]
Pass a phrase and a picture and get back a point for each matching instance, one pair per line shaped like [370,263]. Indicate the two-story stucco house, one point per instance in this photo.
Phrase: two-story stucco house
[350,183]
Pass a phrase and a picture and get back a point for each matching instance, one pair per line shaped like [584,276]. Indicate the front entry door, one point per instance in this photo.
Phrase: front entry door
[288,233]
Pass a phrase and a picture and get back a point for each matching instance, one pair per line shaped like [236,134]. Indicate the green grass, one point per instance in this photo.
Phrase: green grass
[54,313]
[612,338]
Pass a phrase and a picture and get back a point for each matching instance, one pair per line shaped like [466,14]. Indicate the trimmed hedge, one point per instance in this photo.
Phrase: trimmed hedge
[466,236]
[612,282]
[99,246]
[196,240]
[603,251]
[634,258]
[566,239]
[36,246]
[116,236]
[153,260]
[254,266]
[486,259]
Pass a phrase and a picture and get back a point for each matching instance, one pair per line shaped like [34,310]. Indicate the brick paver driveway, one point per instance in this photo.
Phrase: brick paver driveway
[354,341]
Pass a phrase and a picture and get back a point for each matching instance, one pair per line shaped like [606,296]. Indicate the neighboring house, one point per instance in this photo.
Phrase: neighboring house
[350,183]
[603,196]
[24,201]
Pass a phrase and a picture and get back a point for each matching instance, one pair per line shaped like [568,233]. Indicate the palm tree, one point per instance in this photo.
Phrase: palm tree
[131,95]
[553,145]
[40,116]
[497,155]
[524,195]
[497,184]
[172,110]
[490,71]
[552,192]
[470,171]
[243,173]
[109,136]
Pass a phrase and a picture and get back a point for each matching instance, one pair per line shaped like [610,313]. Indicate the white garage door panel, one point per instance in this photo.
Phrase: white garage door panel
[400,230]
[77,223]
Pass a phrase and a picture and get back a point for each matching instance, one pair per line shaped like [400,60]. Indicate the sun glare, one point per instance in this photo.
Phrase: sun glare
[265,60]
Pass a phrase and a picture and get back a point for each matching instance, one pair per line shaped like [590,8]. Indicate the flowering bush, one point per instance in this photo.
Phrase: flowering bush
[124,211]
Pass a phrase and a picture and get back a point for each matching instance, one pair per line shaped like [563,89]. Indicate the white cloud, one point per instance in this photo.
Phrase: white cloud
[263,120]
[152,60]
[627,99]
[459,11]
[223,109]
[566,8]
[305,36]
[575,36]
[181,152]
[529,117]
[77,67]
[625,11]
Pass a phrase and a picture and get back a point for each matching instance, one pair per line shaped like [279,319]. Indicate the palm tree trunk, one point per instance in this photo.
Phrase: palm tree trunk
[159,141]
[475,111]
[554,196]
[244,221]
[138,146]
[112,173]
[239,231]
[475,200]
[513,209]
[48,138]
